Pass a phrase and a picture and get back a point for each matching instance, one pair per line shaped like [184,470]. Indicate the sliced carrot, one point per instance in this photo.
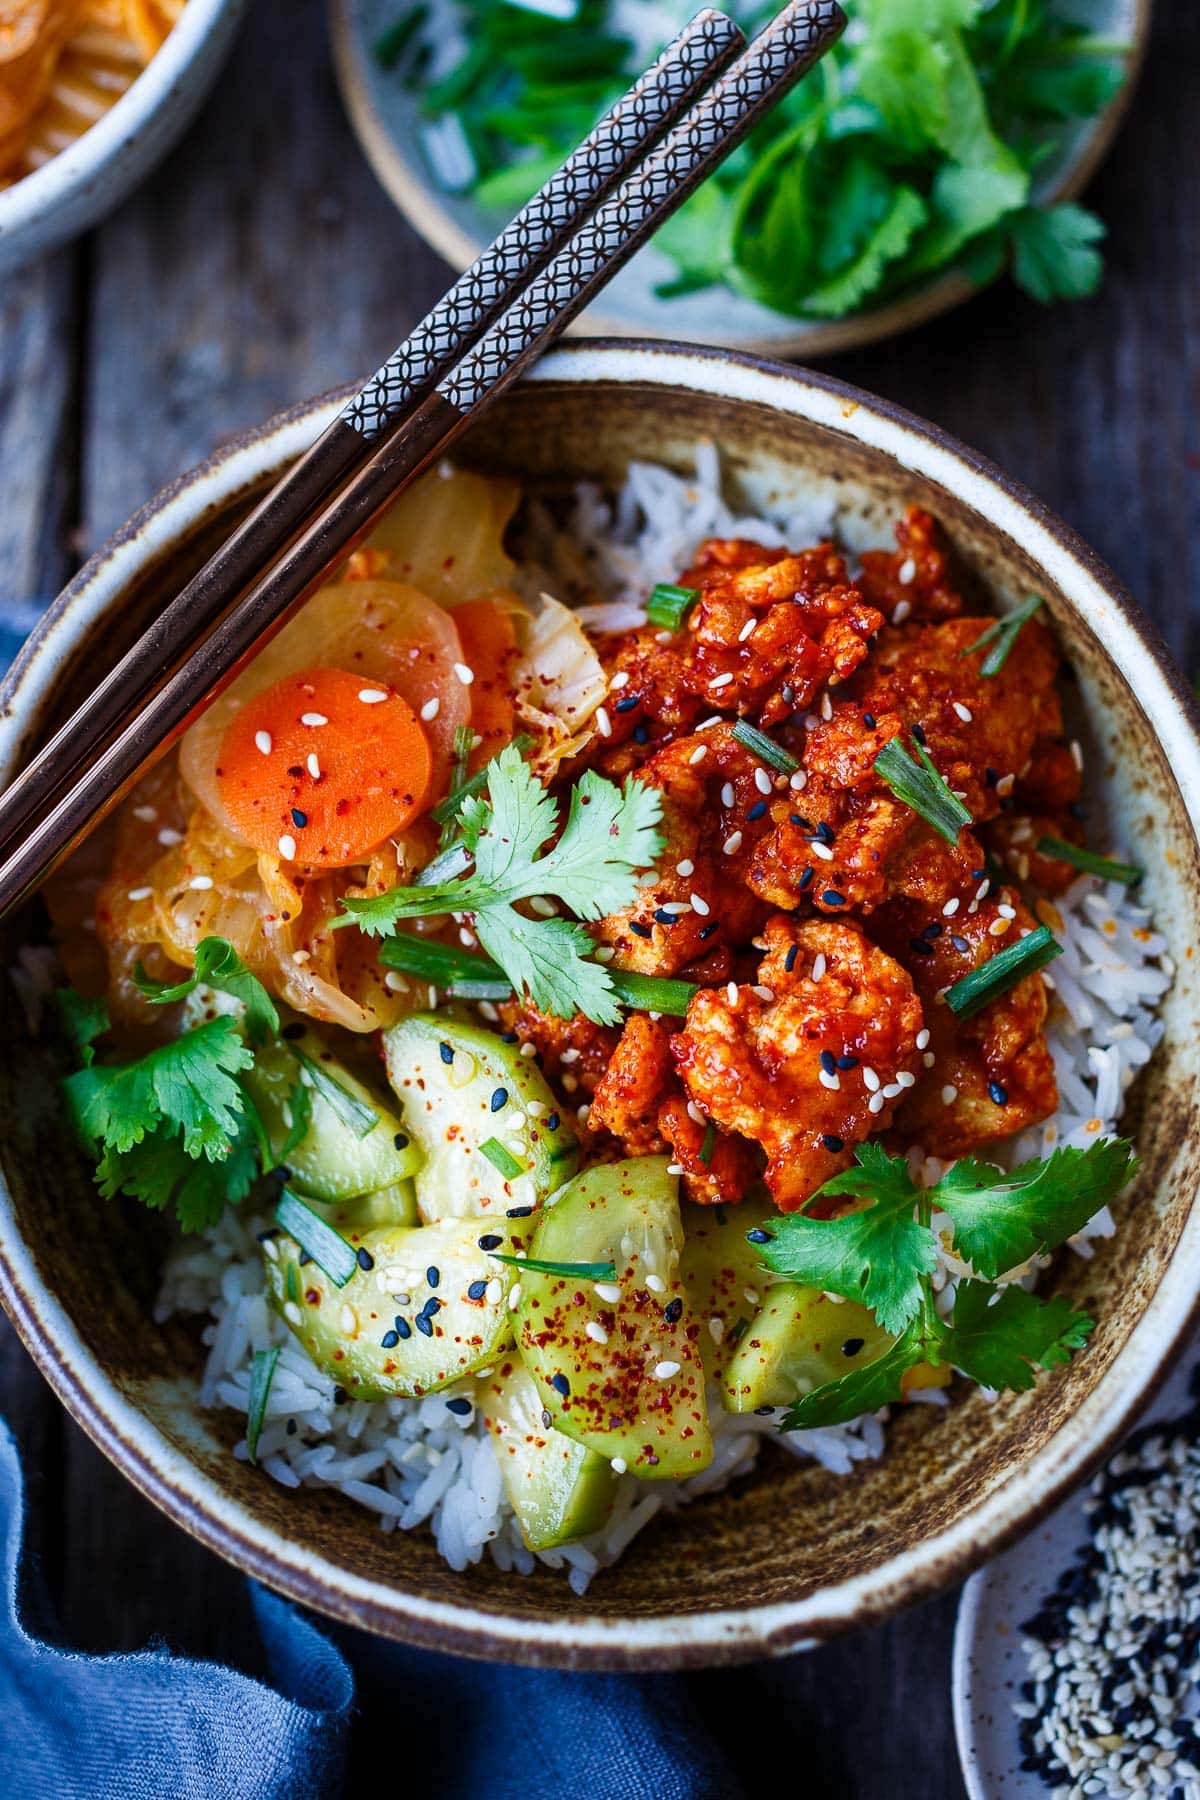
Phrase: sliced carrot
[323,766]
[489,646]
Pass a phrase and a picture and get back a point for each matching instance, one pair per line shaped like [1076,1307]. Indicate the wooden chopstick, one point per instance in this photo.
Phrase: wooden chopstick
[655,101]
[671,169]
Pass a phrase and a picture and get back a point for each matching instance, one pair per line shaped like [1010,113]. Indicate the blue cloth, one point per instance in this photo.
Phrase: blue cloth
[153,1726]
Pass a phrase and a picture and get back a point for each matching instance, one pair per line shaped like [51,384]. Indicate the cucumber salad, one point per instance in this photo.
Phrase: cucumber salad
[607,988]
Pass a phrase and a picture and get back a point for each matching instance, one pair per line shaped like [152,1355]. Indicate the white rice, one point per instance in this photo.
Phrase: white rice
[414,1462]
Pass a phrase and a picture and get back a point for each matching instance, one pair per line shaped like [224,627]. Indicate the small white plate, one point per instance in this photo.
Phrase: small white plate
[988,1665]
[386,117]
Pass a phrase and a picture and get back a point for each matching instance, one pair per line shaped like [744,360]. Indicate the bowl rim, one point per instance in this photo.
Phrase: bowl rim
[197,1501]
[30,201]
[419,201]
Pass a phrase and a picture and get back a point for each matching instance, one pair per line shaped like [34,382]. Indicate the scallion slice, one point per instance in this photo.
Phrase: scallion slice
[354,1113]
[669,606]
[709,1144]
[464,737]
[573,1271]
[448,809]
[918,784]
[1002,971]
[1089,862]
[765,748]
[652,993]
[462,973]
[262,1373]
[327,1247]
[1003,634]
[502,1159]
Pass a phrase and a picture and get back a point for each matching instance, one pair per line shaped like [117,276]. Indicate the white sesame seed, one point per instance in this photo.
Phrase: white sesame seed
[1007,912]
[168,837]
[799,781]
[902,612]
[287,847]
[663,1371]
[748,630]
[685,868]
[929,1059]
[262,741]
[819,965]
[270,1249]
[821,850]
[619,680]
[870,1079]
[732,844]
[674,1168]
[876,1103]
[465,674]
[698,754]
[950,908]
[494,1292]
[596,1332]
[829,1081]
[731,992]
[431,709]
[949,1094]
[142,893]
[764,993]
[311,718]
[528,1049]
[694,1114]
[603,722]
[762,781]
[607,1290]
[292,1313]
[905,1079]
[1005,786]
[300,957]
[923,1038]
[604,954]
[372,696]
[907,572]
[201,883]
[826,707]
[707,724]
[393,981]
[544,907]
[1077,754]
[720,681]
[728,794]
[998,927]
[716,1329]
[313,766]
[656,1284]
[618,1465]
[348,1321]
[699,905]
[147,814]
[964,712]
[514,1296]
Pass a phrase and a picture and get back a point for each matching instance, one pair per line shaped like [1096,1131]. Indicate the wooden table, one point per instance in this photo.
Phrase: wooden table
[263,263]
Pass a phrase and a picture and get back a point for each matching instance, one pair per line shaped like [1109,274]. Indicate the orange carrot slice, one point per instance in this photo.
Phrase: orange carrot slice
[489,647]
[322,766]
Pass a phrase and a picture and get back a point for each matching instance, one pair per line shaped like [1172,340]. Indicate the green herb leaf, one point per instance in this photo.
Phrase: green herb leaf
[1003,634]
[918,784]
[1054,251]
[317,1237]
[877,1256]
[862,1390]
[262,1373]
[1023,957]
[652,993]
[187,1085]
[1089,862]
[580,1271]
[1001,1220]
[83,1020]
[998,1336]
[218,965]
[709,1143]
[160,1172]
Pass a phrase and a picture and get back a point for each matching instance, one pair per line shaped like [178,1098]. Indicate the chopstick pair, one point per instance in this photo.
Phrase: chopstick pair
[645,157]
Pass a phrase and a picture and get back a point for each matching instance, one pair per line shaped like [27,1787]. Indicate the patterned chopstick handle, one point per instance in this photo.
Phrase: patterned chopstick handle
[720,119]
[611,149]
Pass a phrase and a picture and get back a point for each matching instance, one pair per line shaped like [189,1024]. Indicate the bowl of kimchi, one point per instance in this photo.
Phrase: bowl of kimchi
[92,96]
[850,579]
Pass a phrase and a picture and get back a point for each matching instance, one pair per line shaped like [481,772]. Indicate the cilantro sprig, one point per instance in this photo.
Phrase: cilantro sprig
[884,1255]
[914,148]
[608,840]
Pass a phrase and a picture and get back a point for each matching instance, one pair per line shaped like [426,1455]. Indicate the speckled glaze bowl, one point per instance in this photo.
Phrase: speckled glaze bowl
[791,1555]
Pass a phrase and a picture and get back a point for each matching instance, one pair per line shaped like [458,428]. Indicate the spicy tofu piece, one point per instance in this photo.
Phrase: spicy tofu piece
[986,1076]
[810,1060]
[915,577]
[713,809]
[572,1053]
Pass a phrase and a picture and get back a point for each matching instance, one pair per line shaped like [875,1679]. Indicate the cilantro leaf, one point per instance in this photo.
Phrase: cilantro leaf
[609,834]
[1001,1220]
[878,1256]
[218,965]
[83,1020]
[889,239]
[999,1341]
[862,1390]
[549,960]
[1054,251]
[187,1085]
[161,1173]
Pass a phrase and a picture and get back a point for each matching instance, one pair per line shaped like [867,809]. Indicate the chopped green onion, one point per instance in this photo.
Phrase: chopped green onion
[462,973]
[447,865]
[669,606]
[709,1144]
[1003,634]
[291,1283]
[502,1159]
[262,1373]
[316,1237]
[765,748]
[449,808]
[919,785]
[652,993]
[464,738]
[1002,971]
[354,1113]
[391,44]
[573,1271]
[1089,862]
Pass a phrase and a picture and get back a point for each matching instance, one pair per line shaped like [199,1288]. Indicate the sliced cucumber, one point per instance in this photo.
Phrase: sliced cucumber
[394,1205]
[367,1334]
[487,1124]
[334,1160]
[797,1341]
[617,1363]
[722,1275]
[560,1490]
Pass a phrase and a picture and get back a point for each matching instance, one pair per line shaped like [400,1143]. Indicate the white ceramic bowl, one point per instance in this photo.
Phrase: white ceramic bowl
[95,173]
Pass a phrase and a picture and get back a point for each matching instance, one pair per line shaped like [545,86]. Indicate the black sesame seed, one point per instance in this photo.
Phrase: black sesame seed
[403,1328]
[869,721]
[932,931]
[852,1346]
[499,1098]
[756,811]
[960,943]
[831,897]
[978,874]
[433,1275]
[292,1032]
[824,833]
[628,704]
[304,1258]
[764,1412]
[800,820]
[462,1407]
[758,1236]
[847,1062]
[432,1305]
[664,917]
[400,1141]
[787,693]
[490,1240]
[363,1257]
[390,1339]
[518,1212]
[641,733]
[446,1052]
[477,1290]
[991,777]
[673,1312]
[640,930]
[290,1428]
[424,1325]
[831,1143]
[553,1122]
[789,961]
[997,1094]
[508,1037]
[299,819]
[804,881]
[547,1420]
[561,1385]
[828,1061]
[919,734]
[340,1396]
[707,931]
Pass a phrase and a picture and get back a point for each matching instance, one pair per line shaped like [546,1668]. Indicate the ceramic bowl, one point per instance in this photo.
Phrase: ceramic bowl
[793,1554]
[387,118]
[95,173]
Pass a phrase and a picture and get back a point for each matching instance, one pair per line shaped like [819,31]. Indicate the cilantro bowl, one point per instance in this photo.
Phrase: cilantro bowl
[998,1322]
[936,146]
